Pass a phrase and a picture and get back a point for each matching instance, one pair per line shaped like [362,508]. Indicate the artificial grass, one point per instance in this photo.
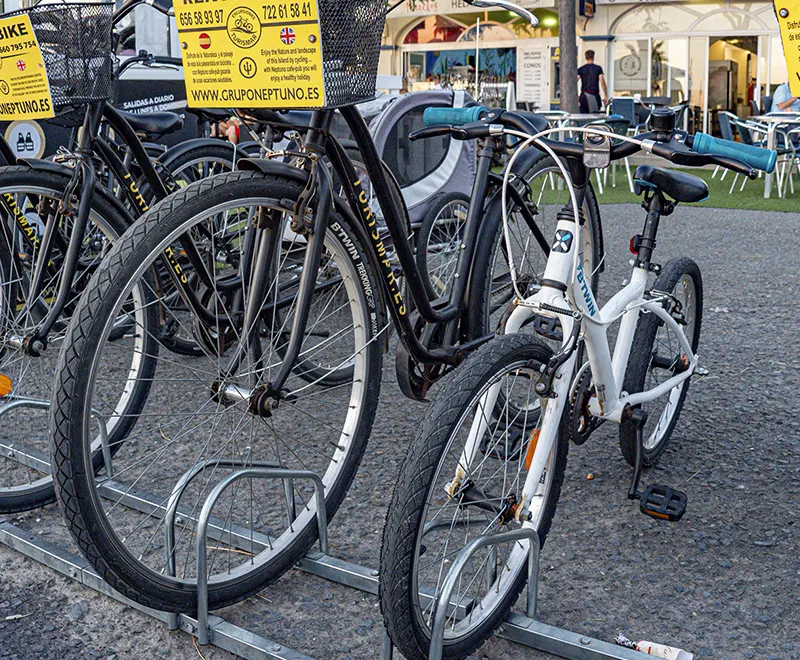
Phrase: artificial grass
[751,198]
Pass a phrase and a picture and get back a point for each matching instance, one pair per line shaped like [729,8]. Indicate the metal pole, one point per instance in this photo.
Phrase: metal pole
[477,59]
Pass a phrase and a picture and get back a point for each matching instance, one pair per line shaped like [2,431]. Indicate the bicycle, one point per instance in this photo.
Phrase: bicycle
[59,219]
[491,453]
[292,347]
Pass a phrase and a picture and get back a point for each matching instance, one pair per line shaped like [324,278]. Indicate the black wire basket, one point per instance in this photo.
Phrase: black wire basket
[351,47]
[75,41]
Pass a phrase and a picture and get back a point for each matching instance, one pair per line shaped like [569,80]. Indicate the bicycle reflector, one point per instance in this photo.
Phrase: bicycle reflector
[5,385]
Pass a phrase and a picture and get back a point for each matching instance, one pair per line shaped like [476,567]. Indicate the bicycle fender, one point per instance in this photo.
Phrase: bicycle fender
[42,165]
[278,168]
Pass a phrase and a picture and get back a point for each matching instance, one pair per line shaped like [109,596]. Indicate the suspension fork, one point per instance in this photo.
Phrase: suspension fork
[84,172]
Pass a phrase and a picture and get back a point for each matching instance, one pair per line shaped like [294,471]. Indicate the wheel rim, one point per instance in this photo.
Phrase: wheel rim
[194,427]
[661,412]
[498,467]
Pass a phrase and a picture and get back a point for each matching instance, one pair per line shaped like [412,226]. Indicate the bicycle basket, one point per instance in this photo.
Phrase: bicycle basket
[351,44]
[75,41]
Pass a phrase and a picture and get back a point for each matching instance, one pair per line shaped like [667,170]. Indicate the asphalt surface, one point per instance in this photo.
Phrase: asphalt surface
[724,583]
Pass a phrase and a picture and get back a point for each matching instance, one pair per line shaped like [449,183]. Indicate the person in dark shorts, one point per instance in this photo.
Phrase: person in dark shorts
[592,82]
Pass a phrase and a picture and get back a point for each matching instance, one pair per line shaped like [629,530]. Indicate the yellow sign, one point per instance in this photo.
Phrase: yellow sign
[251,53]
[789,20]
[24,90]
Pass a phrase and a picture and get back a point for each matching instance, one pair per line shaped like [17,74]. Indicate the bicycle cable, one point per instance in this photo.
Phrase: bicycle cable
[531,139]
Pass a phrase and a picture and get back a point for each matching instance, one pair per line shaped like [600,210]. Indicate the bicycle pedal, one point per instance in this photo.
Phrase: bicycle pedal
[549,328]
[663,503]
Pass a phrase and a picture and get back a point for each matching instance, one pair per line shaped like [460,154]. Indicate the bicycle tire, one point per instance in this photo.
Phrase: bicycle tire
[483,312]
[104,215]
[426,232]
[641,358]
[418,482]
[77,492]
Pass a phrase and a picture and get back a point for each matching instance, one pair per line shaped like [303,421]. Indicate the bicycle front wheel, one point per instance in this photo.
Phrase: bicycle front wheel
[208,415]
[462,478]
[29,201]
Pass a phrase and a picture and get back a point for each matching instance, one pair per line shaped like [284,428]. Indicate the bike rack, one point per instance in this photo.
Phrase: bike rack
[211,629]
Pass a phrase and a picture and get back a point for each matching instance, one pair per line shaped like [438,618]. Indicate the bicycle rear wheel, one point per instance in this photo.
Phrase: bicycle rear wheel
[29,200]
[444,498]
[656,356]
[205,413]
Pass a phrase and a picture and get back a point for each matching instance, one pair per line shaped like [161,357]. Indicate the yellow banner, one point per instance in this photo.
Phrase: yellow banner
[24,90]
[788,12]
[251,53]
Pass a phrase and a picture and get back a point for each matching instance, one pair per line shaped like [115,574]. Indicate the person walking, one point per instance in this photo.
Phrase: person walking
[592,82]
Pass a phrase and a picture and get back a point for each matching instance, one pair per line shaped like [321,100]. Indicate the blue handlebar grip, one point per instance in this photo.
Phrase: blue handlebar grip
[452,116]
[756,157]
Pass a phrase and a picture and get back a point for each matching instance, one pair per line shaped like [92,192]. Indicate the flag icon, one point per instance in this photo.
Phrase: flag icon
[287,36]
[204,40]
[21,65]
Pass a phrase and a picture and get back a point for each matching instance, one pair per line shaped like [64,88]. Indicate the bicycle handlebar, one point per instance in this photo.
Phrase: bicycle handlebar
[757,157]
[510,6]
[476,122]
[148,59]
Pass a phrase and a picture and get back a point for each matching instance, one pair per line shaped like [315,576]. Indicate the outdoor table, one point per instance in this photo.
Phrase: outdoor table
[772,122]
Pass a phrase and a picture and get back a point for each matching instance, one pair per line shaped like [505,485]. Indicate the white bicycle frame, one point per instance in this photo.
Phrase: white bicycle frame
[608,372]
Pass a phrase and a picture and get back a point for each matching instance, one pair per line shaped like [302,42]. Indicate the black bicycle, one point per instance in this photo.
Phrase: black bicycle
[286,287]
[59,218]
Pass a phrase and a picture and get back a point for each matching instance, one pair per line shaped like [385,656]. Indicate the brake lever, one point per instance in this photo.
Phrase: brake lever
[735,165]
[429,132]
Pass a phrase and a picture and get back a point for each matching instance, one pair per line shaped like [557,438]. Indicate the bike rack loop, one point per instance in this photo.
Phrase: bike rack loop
[263,471]
[490,540]
[11,402]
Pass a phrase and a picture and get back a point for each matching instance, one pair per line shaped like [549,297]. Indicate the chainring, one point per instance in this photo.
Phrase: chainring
[582,422]
[415,378]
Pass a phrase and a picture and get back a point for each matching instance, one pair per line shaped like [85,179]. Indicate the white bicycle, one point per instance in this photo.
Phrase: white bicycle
[492,451]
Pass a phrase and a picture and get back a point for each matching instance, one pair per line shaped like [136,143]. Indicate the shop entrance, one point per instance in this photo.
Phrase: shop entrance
[732,76]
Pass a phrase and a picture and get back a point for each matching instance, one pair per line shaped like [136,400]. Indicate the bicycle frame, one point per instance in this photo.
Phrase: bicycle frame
[449,311]
[608,402]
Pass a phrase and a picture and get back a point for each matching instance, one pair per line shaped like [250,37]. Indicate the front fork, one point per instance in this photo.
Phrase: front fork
[266,237]
[84,176]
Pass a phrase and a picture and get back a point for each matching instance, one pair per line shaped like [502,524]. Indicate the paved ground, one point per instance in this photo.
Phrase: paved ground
[722,583]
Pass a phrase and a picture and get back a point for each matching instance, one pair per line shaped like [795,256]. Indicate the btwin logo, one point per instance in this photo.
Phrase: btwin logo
[586,291]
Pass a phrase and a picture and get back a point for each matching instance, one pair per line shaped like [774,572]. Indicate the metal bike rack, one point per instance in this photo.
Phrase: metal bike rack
[207,628]
[525,630]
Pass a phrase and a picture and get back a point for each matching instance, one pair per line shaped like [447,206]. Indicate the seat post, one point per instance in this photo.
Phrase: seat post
[655,205]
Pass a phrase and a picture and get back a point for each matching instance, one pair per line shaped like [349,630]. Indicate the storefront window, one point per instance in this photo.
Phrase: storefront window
[435,29]
[698,55]
[630,67]
[668,76]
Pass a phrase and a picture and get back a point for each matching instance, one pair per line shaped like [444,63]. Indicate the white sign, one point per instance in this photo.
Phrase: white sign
[26,139]
[152,30]
[533,75]
[427,7]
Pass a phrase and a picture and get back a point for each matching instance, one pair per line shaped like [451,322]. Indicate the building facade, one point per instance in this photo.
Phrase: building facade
[713,55]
